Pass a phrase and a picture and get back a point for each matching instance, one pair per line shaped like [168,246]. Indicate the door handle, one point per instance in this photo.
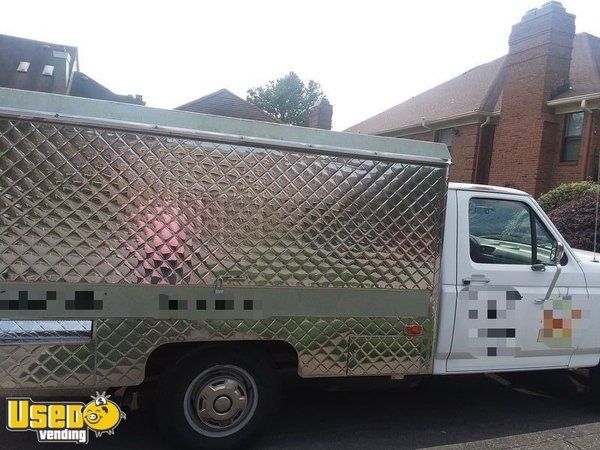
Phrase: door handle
[538,267]
[475,279]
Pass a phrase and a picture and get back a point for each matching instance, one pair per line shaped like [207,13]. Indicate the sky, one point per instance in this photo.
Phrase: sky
[367,55]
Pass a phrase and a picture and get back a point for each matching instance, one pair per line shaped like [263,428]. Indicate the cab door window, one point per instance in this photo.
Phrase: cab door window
[545,249]
[507,232]
[499,232]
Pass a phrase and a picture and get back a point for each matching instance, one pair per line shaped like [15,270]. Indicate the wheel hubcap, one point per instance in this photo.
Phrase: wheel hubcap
[222,404]
[220,400]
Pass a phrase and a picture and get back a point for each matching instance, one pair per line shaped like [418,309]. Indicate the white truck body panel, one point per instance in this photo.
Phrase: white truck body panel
[477,316]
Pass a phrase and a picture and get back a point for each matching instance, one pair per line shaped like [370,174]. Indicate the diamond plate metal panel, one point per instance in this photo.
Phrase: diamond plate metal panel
[18,331]
[82,204]
[86,204]
[48,366]
[386,355]
[322,344]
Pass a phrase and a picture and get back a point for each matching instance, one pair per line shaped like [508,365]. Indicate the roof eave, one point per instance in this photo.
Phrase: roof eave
[439,124]
[575,103]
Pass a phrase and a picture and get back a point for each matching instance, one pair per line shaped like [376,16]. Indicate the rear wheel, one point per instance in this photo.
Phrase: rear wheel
[217,399]
[594,384]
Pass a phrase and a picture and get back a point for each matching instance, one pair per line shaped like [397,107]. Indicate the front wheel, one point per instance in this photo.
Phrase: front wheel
[217,399]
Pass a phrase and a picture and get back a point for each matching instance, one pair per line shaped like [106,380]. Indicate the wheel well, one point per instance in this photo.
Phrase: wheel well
[283,353]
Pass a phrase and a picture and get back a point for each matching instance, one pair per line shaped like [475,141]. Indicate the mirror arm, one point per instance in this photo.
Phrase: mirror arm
[560,250]
[553,283]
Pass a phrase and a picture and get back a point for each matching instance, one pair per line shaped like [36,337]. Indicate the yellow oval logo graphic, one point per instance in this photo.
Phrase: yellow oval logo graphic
[102,415]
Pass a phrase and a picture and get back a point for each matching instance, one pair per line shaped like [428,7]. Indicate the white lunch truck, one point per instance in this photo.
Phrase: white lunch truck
[208,253]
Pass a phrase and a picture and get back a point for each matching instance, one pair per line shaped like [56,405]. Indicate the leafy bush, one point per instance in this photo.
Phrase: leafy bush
[576,220]
[565,193]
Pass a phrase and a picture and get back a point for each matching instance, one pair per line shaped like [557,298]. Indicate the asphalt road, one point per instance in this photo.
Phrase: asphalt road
[537,410]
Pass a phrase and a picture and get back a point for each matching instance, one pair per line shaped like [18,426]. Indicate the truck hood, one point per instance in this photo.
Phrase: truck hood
[590,268]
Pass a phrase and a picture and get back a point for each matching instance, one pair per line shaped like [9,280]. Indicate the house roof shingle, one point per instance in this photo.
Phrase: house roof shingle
[584,75]
[479,90]
[225,103]
[85,86]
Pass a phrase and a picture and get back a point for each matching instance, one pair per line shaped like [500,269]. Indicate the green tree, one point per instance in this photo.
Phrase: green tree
[288,98]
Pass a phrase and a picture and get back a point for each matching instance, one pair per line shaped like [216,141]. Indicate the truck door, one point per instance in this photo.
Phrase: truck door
[504,269]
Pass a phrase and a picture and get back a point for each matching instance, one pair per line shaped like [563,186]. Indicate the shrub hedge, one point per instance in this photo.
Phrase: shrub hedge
[576,220]
[565,193]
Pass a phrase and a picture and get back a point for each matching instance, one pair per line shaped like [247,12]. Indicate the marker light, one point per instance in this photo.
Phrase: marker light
[413,330]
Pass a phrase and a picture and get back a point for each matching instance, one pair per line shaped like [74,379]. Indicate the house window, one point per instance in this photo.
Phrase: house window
[572,140]
[48,70]
[23,66]
[445,137]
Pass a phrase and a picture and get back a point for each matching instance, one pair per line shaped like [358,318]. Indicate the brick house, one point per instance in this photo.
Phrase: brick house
[42,66]
[529,120]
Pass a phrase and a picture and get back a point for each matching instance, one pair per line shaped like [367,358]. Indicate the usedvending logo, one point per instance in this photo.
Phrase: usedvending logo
[64,421]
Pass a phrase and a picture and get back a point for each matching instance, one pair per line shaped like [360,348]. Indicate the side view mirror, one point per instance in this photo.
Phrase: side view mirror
[560,252]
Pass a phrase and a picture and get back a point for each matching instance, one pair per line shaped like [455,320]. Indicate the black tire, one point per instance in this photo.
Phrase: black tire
[185,394]
[594,385]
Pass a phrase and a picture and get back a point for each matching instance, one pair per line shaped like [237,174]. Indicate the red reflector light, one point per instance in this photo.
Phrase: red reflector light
[413,330]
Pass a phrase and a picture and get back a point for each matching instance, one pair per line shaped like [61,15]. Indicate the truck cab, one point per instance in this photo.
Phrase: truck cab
[508,301]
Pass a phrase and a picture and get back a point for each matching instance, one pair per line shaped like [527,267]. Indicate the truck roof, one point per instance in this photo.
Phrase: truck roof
[127,116]
[484,188]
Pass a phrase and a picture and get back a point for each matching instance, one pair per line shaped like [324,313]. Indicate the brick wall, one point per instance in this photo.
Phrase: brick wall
[472,152]
[464,148]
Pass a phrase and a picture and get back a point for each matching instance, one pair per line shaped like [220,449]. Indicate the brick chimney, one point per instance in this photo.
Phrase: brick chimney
[319,116]
[536,68]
